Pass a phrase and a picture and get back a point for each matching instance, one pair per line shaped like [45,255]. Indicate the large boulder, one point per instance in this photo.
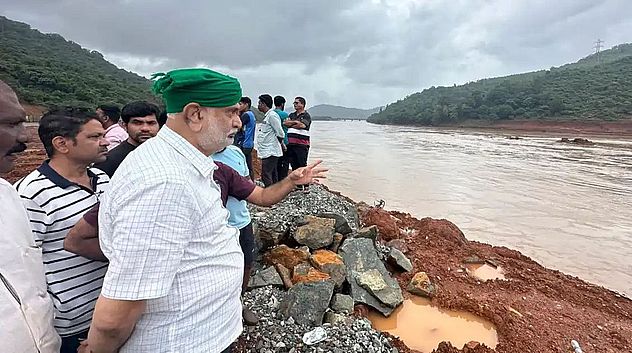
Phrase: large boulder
[330,263]
[368,232]
[286,256]
[360,255]
[341,226]
[317,233]
[397,258]
[306,303]
[373,281]
[266,277]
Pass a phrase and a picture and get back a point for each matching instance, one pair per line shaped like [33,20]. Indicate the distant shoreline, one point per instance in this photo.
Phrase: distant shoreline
[568,128]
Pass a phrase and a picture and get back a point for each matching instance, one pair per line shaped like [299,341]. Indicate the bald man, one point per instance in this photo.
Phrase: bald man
[25,307]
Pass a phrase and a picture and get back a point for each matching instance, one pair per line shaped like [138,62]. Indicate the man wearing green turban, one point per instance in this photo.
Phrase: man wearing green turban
[174,279]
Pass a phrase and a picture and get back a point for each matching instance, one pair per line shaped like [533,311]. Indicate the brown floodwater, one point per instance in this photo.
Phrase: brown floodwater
[423,326]
[567,206]
[485,272]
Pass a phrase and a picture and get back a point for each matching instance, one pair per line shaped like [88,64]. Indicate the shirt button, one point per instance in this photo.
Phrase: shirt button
[42,294]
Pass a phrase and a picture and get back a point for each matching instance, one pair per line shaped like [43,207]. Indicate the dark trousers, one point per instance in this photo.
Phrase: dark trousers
[297,155]
[71,343]
[248,153]
[282,166]
[269,173]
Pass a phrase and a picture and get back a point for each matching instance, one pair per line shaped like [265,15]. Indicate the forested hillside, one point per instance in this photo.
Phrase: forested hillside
[46,69]
[594,88]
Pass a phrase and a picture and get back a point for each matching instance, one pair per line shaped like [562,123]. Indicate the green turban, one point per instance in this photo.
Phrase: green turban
[203,86]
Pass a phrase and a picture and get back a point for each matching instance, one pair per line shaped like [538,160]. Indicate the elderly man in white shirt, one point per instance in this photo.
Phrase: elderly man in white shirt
[174,279]
[26,308]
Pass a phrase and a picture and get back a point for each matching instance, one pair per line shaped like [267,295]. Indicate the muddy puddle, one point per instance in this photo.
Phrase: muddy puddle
[485,272]
[422,326]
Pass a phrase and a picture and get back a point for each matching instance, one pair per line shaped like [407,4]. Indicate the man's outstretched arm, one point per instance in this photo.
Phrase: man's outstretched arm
[278,191]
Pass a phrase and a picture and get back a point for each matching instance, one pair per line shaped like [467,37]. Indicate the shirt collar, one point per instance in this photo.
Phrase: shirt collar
[186,149]
[59,180]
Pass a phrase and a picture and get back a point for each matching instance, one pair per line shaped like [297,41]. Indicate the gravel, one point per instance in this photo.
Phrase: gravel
[277,334]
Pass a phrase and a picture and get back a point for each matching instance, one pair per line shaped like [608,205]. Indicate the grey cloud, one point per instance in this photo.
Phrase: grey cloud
[360,53]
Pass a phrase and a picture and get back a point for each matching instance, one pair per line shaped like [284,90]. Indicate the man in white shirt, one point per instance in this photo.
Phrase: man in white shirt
[175,273]
[269,141]
[26,308]
[109,115]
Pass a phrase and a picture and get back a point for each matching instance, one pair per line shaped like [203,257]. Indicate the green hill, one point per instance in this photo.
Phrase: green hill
[338,112]
[46,69]
[589,89]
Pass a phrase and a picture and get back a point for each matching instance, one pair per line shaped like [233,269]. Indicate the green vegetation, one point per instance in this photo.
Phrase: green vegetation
[589,89]
[46,69]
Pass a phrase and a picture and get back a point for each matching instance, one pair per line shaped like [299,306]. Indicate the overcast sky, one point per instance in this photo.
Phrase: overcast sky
[355,53]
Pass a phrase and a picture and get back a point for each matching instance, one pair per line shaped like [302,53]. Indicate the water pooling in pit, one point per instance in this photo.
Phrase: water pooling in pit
[422,326]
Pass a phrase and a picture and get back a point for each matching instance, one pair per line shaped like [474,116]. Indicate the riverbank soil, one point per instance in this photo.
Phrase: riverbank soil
[534,310]
[570,127]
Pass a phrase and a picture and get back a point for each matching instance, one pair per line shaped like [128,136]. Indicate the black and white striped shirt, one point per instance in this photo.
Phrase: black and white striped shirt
[54,204]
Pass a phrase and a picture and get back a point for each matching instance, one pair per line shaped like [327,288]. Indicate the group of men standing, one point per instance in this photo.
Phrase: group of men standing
[282,139]
[130,248]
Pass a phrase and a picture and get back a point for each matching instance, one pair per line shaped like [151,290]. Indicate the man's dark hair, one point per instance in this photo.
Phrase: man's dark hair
[246,100]
[266,99]
[279,101]
[111,110]
[301,99]
[138,109]
[64,122]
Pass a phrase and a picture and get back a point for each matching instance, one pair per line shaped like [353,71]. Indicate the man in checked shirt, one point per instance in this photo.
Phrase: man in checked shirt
[175,273]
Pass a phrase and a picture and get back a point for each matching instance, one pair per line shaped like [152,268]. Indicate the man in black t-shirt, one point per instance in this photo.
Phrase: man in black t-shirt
[140,119]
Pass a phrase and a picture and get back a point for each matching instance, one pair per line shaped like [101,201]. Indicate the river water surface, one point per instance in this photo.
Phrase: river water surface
[568,207]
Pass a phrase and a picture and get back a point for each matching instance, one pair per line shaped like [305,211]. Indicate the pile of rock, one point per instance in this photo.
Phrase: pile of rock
[316,264]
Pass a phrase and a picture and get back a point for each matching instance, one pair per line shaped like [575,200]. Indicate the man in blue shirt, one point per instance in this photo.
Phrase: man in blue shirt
[283,163]
[245,138]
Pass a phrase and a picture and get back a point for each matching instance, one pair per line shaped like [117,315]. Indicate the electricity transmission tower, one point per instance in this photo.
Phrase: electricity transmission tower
[597,47]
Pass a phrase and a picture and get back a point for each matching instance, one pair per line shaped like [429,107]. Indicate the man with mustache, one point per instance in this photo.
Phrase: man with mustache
[25,307]
[140,120]
[56,195]
[174,278]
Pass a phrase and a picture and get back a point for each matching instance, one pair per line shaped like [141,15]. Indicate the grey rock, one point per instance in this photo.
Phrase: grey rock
[266,277]
[302,269]
[341,226]
[373,281]
[396,257]
[306,302]
[360,255]
[342,303]
[367,232]
[318,233]
[335,318]
[271,235]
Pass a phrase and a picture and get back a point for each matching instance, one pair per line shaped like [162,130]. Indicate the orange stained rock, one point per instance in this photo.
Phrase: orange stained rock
[313,275]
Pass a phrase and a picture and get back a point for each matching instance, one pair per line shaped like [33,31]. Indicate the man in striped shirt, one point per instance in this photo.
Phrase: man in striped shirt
[298,124]
[56,195]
